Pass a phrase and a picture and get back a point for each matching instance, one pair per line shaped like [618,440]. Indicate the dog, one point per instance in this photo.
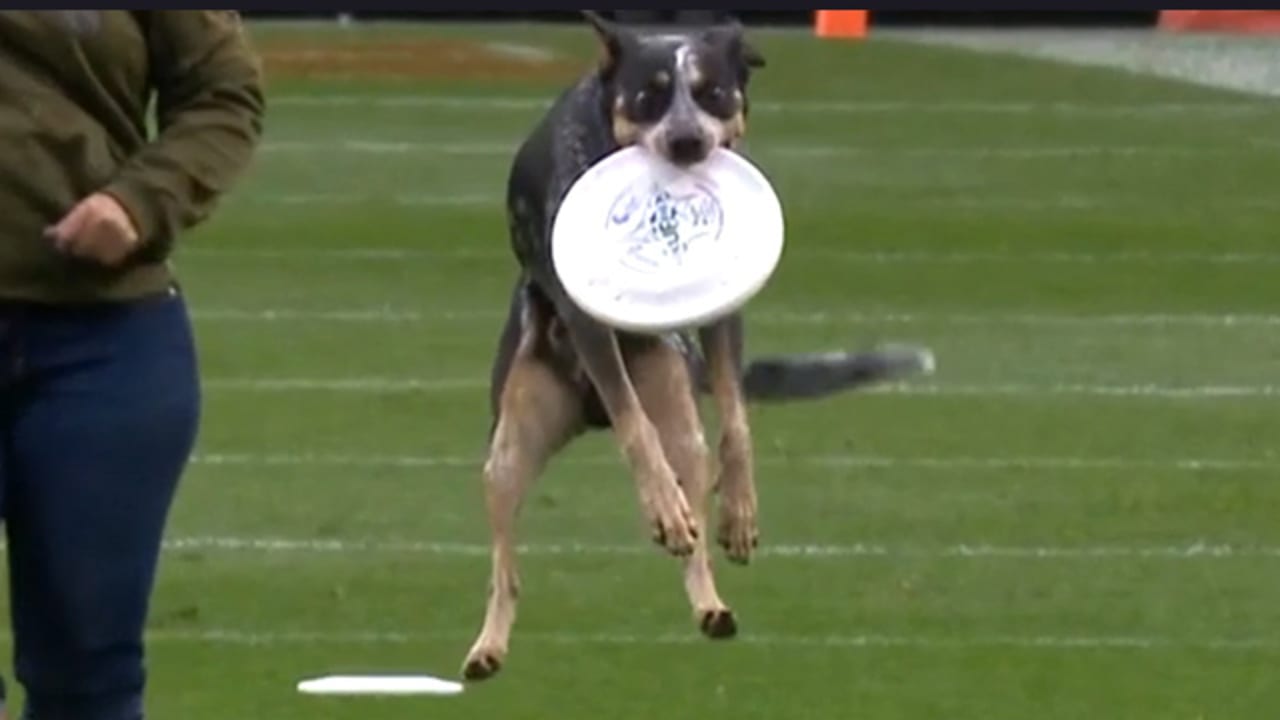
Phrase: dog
[559,373]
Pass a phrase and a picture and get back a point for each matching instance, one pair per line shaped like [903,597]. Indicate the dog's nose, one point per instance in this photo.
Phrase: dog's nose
[687,149]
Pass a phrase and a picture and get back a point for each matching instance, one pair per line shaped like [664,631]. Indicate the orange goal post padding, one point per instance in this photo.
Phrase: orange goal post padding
[1230,21]
[848,24]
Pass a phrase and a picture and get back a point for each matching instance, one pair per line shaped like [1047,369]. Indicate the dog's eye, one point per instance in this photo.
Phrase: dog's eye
[649,104]
[714,99]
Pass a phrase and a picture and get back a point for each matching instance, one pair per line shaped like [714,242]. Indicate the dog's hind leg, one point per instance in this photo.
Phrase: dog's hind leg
[538,412]
[662,380]
[737,528]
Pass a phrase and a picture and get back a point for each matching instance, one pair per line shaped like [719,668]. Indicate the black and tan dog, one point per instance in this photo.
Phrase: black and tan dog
[559,372]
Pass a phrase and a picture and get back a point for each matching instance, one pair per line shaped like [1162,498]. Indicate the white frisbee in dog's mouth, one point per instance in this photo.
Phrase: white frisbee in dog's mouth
[643,245]
[379,685]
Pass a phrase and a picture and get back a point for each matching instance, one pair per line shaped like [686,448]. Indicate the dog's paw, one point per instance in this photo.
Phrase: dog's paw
[718,624]
[674,525]
[736,529]
[482,664]
[675,529]
[738,532]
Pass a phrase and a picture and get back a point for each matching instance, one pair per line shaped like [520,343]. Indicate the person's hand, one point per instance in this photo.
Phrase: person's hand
[97,228]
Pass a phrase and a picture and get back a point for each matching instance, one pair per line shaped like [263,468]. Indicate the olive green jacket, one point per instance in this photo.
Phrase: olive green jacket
[75,88]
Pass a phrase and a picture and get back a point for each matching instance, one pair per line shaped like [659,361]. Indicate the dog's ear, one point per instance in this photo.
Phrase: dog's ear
[730,35]
[750,55]
[612,37]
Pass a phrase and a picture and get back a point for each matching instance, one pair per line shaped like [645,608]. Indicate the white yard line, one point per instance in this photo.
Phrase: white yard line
[343,385]
[533,54]
[1076,201]
[1241,63]
[389,147]
[389,385]
[772,317]
[870,257]
[402,199]
[252,638]
[1190,392]
[777,151]
[1066,107]
[992,202]
[1190,551]
[831,460]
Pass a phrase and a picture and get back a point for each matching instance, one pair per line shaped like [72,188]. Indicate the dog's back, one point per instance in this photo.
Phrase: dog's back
[571,137]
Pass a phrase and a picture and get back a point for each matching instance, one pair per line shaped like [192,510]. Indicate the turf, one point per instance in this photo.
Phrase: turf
[1075,518]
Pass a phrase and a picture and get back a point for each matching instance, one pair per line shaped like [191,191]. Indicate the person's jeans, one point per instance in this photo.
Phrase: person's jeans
[99,409]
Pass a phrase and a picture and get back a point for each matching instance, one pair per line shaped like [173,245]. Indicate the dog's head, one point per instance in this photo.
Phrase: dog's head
[678,94]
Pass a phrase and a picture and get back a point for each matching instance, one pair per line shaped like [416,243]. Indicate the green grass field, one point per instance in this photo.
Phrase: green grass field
[1077,517]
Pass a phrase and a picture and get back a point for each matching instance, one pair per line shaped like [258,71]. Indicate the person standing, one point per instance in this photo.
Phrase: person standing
[99,385]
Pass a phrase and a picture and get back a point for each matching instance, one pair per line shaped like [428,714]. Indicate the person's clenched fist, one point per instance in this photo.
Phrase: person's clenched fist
[97,228]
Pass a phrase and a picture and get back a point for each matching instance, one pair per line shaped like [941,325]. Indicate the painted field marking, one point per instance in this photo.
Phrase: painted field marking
[885,257]
[1190,551]
[776,150]
[1155,109]
[830,460]
[251,638]
[387,315]
[390,385]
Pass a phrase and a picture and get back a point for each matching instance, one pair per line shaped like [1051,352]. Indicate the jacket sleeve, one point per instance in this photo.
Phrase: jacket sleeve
[209,107]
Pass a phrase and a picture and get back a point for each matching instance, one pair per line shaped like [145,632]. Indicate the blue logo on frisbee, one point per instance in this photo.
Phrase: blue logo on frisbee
[660,226]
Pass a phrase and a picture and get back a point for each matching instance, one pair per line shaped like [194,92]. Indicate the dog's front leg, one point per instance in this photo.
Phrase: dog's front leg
[665,505]
[737,532]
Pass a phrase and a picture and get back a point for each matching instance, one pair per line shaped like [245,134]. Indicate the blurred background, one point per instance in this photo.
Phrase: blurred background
[772,17]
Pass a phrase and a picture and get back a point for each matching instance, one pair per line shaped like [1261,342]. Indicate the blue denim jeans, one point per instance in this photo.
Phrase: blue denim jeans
[99,409]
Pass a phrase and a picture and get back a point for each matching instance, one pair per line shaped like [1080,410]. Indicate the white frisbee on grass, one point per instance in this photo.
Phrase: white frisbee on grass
[356,685]
[643,245]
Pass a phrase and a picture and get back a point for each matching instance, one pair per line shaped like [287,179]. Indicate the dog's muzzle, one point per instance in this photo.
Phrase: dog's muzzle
[688,149]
